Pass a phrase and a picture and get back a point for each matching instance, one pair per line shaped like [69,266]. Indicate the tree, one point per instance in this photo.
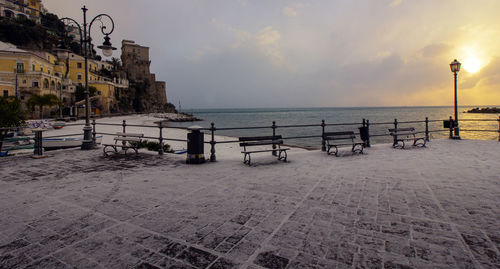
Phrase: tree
[11,115]
[80,92]
[41,101]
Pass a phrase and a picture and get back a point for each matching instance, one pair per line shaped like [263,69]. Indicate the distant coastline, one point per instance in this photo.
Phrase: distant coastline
[489,110]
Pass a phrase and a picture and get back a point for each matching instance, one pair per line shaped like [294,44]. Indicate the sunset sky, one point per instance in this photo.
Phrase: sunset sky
[311,53]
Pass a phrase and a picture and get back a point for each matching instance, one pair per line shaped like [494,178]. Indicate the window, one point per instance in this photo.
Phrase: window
[35,84]
[79,76]
[20,67]
[78,65]
[48,71]
[99,92]
[24,81]
[22,97]
[33,67]
[5,93]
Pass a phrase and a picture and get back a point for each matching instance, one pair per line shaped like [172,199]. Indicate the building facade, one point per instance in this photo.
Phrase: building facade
[28,9]
[25,73]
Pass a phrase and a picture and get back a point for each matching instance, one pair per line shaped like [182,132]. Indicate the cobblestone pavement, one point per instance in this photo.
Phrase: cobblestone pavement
[437,207]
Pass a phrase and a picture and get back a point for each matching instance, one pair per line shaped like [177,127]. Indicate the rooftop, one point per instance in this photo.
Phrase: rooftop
[425,207]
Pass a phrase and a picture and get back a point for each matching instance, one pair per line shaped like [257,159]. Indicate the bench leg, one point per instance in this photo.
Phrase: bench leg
[246,159]
[357,148]
[106,153]
[282,157]
[416,143]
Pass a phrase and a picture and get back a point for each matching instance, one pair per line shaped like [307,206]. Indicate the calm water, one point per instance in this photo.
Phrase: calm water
[224,118]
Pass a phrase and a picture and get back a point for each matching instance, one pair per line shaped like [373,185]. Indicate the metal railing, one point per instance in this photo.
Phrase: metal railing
[212,130]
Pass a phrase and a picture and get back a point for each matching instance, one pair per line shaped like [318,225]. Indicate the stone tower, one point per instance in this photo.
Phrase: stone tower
[135,61]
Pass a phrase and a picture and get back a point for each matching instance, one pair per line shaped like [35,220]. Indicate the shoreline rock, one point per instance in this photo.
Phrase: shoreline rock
[491,110]
[175,117]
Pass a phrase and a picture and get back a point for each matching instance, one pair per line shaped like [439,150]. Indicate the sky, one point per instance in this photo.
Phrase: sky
[310,53]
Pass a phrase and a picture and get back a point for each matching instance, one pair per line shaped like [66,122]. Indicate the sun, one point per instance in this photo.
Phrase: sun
[472,64]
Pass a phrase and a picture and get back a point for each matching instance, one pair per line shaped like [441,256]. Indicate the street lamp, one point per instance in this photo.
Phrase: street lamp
[455,68]
[107,50]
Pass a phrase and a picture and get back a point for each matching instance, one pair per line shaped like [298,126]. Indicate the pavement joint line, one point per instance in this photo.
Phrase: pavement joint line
[459,236]
[284,219]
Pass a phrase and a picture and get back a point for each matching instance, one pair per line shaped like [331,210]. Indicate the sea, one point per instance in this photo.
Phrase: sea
[380,118]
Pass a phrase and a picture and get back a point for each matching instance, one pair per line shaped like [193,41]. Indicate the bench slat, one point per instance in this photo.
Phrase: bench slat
[129,139]
[267,150]
[257,138]
[339,133]
[130,134]
[339,137]
[411,129]
[261,143]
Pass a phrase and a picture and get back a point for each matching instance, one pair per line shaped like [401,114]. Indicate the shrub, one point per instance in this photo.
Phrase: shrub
[154,146]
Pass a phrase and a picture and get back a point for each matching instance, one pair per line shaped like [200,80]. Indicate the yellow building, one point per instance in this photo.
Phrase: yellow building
[29,9]
[24,73]
[7,88]
[31,72]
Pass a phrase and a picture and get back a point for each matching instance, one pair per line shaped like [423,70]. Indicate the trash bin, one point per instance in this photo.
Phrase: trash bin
[363,133]
[195,145]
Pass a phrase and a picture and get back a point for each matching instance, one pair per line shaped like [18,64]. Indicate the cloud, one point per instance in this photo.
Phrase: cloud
[396,3]
[289,12]
[434,50]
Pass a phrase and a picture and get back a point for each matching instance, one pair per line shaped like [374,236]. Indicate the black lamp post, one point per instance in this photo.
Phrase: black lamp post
[107,50]
[455,68]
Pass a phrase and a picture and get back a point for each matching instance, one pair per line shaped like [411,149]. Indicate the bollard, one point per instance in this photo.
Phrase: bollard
[160,150]
[93,131]
[452,123]
[426,129]
[124,124]
[38,150]
[395,142]
[323,143]
[368,134]
[274,134]
[212,143]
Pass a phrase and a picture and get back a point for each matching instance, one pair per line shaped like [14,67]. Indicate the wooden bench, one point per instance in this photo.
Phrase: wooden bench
[250,141]
[338,139]
[406,134]
[128,141]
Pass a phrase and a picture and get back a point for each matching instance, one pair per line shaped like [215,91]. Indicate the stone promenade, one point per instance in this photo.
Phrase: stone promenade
[435,207]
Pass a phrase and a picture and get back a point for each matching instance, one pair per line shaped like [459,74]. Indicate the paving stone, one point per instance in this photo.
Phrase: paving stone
[14,261]
[49,262]
[197,257]
[14,245]
[173,249]
[222,263]
[270,260]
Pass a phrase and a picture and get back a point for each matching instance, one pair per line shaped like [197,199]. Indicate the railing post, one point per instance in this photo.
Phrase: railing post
[368,134]
[212,143]
[499,128]
[274,134]
[426,129]
[395,142]
[93,131]
[160,150]
[451,127]
[323,143]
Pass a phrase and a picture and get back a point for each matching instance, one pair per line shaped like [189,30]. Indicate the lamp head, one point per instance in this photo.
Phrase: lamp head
[106,47]
[455,66]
